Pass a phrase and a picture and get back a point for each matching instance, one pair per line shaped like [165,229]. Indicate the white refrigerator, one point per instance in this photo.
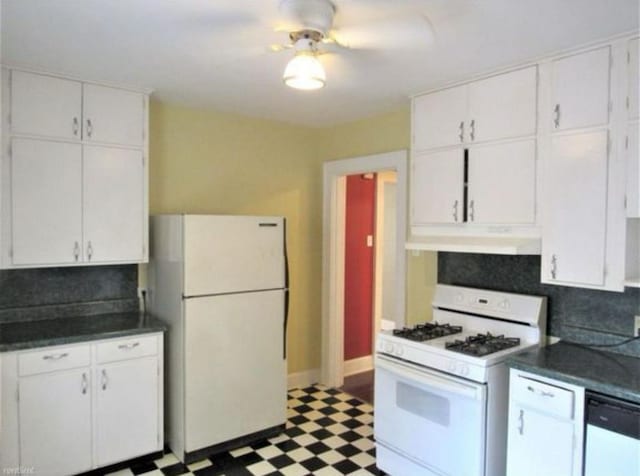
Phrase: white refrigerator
[221,283]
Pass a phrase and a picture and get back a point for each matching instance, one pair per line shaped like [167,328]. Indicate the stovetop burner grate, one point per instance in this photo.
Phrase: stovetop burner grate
[482,344]
[427,331]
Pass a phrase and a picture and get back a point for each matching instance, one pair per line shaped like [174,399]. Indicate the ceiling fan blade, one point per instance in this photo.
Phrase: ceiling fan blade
[402,32]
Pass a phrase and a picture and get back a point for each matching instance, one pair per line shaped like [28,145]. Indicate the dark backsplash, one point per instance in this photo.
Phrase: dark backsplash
[42,293]
[579,314]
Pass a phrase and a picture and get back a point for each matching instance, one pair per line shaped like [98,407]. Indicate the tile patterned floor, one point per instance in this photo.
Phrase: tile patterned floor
[328,433]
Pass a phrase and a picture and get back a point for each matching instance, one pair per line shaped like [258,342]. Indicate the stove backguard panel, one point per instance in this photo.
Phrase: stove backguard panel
[577,314]
[44,293]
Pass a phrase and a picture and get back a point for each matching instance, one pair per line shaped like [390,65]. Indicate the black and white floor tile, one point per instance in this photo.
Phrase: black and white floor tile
[328,433]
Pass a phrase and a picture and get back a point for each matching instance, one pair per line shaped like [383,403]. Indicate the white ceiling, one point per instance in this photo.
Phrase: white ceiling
[213,53]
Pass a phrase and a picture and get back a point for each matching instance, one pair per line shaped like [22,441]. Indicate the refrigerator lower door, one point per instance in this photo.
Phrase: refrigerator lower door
[235,373]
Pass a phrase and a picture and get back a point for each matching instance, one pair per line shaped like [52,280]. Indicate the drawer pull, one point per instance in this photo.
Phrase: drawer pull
[85,384]
[542,393]
[56,356]
[128,346]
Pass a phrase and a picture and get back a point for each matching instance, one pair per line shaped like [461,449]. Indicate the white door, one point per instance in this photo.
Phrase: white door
[538,443]
[225,254]
[235,370]
[438,118]
[437,184]
[580,90]
[573,233]
[502,182]
[113,212]
[45,106]
[46,202]
[503,106]
[634,78]
[633,171]
[113,116]
[432,417]
[127,406]
[55,422]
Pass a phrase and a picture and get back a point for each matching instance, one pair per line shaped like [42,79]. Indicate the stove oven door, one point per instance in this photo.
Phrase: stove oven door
[428,422]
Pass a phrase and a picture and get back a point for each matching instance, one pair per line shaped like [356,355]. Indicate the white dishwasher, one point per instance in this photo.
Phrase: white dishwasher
[612,446]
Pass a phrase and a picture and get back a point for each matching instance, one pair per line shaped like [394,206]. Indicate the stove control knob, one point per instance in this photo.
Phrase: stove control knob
[463,370]
[399,350]
[388,348]
[458,297]
[452,366]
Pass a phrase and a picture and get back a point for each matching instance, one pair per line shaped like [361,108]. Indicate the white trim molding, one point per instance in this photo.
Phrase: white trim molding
[333,252]
[303,379]
[358,365]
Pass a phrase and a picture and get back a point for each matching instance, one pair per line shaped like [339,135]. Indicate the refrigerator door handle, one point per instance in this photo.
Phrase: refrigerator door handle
[286,288]
[286,322]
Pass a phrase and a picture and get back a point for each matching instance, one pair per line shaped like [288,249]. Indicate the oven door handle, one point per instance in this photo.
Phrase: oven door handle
[430,378]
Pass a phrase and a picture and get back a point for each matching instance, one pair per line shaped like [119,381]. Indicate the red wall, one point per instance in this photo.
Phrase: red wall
[358,275]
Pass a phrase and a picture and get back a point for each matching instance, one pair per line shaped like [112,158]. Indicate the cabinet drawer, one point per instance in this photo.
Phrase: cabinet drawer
[544,397]
[54,358]
[122,349]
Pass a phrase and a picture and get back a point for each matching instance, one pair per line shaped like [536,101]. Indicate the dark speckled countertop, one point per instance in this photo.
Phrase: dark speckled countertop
[594,369]
[20,335]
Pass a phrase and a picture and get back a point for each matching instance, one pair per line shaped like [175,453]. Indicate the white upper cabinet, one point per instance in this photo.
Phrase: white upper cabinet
[113,116]
[75,173]
[113,198]
[575,216]
[45,106]
[633,171]
[499,107]
[46,202]
[501,183]
[634,78]
[503,106]
[580,85]
[438,118]
[437,187]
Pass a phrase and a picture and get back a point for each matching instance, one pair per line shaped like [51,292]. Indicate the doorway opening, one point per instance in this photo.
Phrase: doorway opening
[387,290]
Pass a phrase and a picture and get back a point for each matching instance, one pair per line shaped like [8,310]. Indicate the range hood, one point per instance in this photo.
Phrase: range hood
[476,244]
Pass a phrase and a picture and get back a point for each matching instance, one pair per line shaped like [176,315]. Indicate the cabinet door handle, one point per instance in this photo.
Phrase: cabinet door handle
[76,251]
[56,356]
[89,250]
[455,211]
[521,422]
[128,346]
[472,134]
[76,126]
[85,384]
[89,128]
[105,379]
[472,211]
[556,116]
[461,135]
[554,266]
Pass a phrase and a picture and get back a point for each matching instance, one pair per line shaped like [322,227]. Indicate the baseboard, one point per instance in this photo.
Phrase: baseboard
[355,366]
[303,379]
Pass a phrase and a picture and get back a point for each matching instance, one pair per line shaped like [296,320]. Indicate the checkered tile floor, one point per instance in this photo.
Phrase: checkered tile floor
[328,433]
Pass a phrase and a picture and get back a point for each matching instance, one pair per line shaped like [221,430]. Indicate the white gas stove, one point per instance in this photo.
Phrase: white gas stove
[441,387]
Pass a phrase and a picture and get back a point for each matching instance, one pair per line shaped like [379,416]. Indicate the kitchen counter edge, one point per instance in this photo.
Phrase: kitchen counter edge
[597,370]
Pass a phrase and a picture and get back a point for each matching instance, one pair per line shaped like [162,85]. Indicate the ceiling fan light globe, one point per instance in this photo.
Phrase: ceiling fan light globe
[304,71]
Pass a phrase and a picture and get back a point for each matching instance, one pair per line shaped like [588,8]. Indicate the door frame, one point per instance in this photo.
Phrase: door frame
[333,245]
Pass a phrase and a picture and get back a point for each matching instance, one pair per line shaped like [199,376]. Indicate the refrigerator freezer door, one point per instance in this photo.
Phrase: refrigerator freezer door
[235,375]
[226,254]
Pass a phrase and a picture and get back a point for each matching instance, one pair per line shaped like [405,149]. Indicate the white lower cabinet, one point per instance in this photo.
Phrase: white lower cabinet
[545,426]
[82,407]
[126,410]
[55,422]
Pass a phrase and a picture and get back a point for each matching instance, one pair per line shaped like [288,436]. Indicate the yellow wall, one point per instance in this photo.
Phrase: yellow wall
[204,161]
[386,133]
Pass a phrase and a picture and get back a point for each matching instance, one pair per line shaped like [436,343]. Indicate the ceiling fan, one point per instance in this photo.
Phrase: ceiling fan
[315,27]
